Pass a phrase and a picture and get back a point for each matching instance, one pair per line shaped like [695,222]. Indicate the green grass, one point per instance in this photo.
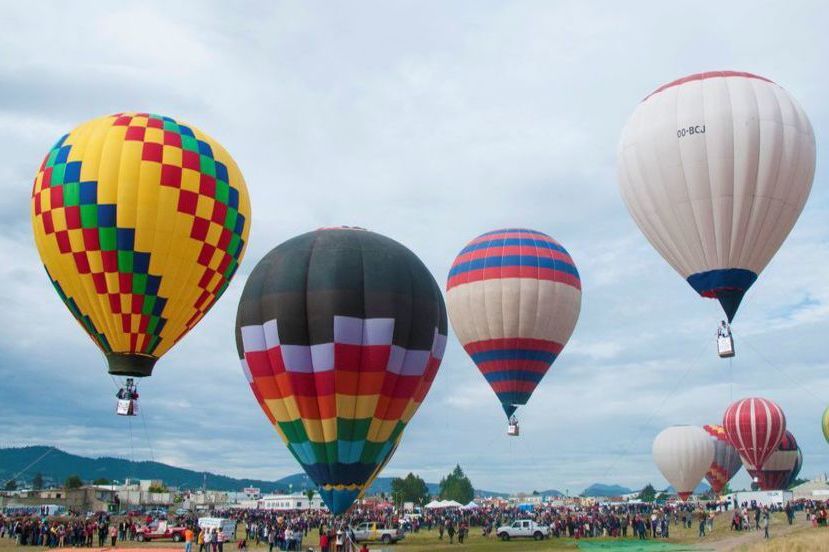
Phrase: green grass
[785,538]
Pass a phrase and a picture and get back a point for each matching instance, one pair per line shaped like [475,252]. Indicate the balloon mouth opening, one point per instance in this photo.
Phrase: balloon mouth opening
[684,496]
[131,364]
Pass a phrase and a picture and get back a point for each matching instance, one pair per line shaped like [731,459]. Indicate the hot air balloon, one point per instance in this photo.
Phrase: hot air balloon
[340,332]
[514,296]
[726,462]
[754,427]
[141,222]
[778,467]
[798,464]
[683,454]
[715,169]
[824,424]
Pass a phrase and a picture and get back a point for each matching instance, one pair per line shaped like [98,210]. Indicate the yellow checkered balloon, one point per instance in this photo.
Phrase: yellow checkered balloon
[141,222]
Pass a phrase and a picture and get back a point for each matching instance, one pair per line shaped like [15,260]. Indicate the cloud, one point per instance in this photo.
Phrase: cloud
[429,123]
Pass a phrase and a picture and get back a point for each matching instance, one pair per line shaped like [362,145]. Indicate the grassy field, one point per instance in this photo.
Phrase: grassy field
[800,537]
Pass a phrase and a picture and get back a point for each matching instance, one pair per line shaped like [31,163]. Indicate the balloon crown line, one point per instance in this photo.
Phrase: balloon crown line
[344,227]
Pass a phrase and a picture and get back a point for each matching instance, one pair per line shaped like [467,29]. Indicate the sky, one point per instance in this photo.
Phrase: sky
[429,122]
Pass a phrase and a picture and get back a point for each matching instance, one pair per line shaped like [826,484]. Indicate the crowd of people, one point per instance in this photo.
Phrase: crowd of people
[66,531]
[298,529]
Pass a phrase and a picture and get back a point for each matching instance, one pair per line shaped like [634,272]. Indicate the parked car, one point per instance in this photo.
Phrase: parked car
[159,530]
[523,528]
[372,531]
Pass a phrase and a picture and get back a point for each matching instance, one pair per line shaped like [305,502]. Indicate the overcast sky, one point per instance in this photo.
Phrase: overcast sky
[429,122]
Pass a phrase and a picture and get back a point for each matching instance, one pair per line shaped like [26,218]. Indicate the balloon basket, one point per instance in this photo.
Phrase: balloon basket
[725,346]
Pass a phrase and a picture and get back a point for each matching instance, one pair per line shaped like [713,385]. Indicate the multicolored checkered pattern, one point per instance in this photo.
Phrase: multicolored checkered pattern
[726,462]
[513,296]
[141,222]
[340,333]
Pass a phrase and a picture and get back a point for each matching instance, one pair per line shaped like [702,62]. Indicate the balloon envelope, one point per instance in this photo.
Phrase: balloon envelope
[798,464]
[514,297]
[683,454]
[340,333]
[754,427]
[778,468]
[825,424]
[140,221]
[726,462]
[715,169]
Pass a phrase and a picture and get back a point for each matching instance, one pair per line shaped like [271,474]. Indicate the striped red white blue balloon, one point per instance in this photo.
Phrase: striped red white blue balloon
[513,297]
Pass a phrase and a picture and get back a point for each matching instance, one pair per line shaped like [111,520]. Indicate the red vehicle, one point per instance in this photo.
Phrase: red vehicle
[159,530]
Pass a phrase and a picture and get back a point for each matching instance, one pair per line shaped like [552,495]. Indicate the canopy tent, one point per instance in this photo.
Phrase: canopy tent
[470,506]
[437,504]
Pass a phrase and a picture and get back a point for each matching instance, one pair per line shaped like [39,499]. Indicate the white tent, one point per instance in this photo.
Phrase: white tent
[437,504]
[471,506]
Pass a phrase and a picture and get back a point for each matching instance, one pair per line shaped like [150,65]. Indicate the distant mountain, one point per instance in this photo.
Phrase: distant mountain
[601,489]
[702,488]
[551,492]
[56,465]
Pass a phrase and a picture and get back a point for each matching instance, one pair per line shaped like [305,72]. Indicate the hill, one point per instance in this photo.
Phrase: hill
[56,465]
[602,489]
[702,488]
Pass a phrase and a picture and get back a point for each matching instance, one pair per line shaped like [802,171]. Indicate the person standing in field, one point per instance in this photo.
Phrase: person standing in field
[220,539]
[209,545]
[113,534]
[188,539]
[200,539]
[764,523]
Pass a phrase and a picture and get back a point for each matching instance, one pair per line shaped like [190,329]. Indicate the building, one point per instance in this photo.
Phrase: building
[817,488]
[90,498]
[296,501]
[759,498]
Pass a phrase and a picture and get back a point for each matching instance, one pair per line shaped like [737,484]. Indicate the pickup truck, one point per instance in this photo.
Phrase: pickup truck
[160,530]
[371,531]
[523,528]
